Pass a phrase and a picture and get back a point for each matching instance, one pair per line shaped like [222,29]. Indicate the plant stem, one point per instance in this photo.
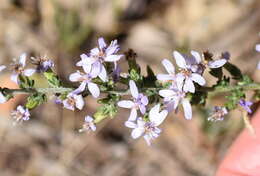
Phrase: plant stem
[212,91]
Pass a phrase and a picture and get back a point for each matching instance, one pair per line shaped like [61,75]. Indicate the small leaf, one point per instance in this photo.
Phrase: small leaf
[234,71]
[25,82]
[35,99]
[217,72]
[150,79]
[104,111]
[52,78]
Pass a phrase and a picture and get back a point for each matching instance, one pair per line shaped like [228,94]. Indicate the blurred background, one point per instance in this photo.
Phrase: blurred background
[50,145]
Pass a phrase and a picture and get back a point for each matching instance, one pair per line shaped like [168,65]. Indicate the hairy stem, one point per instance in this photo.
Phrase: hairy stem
[212,91]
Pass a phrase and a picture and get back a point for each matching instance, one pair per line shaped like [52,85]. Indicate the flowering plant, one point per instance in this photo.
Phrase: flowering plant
[153,96]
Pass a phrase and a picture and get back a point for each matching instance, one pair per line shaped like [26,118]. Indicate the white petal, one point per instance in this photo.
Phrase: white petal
[130,124]
[133,89]
[94,51]
[20,109]
[167,93]
[96,69]
[22,59]
[137,132]
[154,112]
[258,65]
[126,104]
[187,109]
[88,119]
[157,119]
[75,77]
[14,78]
[103,74]
[101,42]
[180,60]
[133,115]
[188,86]
[93,127]
[198,79]
[29,72]
[164,77]
[196,55]
[2,67]
[168,66]
[148,139]
[257,47]
[94,90]
[79,102]
[81,88]
[180,80]
[2,98]
[140,122]
[217,63]
[113,58]
[87,67]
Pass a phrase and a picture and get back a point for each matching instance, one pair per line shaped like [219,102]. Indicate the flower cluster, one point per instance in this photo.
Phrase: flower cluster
[153,96]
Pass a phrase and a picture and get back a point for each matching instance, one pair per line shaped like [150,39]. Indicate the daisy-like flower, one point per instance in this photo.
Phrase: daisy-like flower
[88,124]
[139,102]
[148,129]
[186,76]
[20,114]
[99,55]
[73,100]
[218,114]
[19,69]
[173,97]
[86,81]
[246,105]
[42,63]
[211,64]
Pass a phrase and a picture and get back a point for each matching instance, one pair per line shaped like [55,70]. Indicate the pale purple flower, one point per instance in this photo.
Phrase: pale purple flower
[86,81]
[73,100]
[170,69]
[139,102]
[226,55]
[88,124]
[148,129]
[20,114]
[98,56]
[171,76]
[116,73]
[173,97]
[2,98]
[19,69]
[257,47]
[186,77]
[218,114]
[211,64]
[246,105]
[2,67]
[42,63]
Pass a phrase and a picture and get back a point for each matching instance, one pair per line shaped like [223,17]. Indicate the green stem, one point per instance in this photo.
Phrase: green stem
[212,91]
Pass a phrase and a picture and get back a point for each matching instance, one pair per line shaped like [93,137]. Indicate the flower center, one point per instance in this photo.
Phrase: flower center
[186,72]
[18,68]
